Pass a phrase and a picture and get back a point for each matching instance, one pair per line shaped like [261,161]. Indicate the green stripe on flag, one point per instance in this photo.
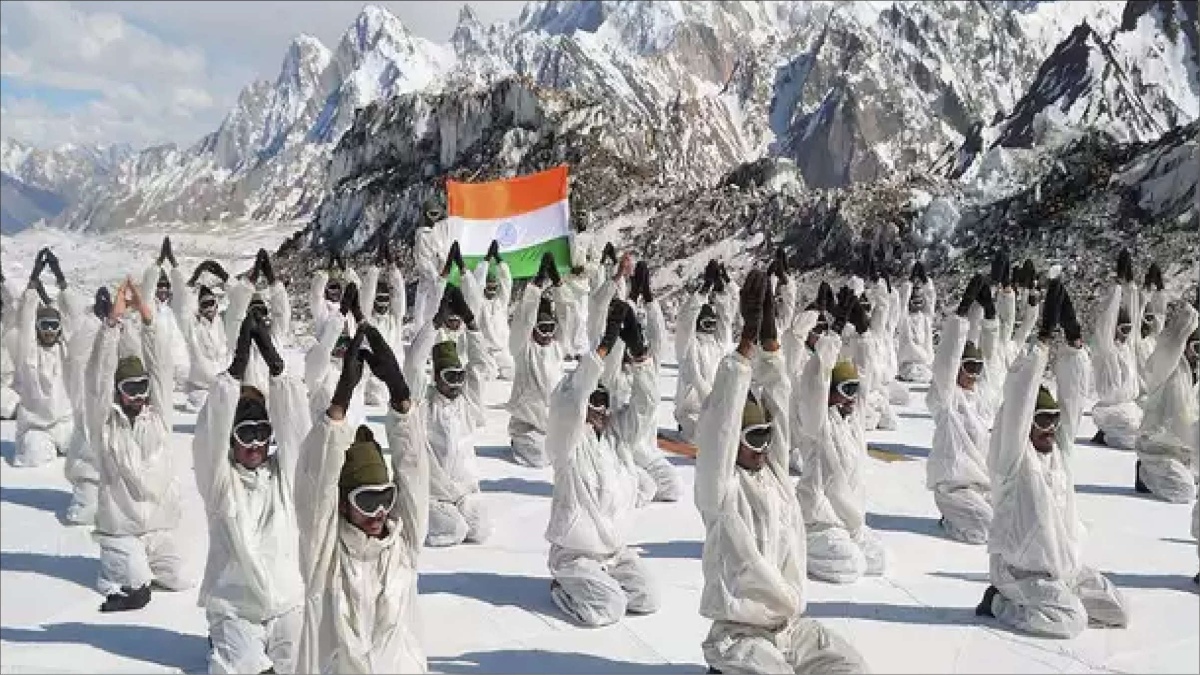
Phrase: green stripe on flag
[523,263]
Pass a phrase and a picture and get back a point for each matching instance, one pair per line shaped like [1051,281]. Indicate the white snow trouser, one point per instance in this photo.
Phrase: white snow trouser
[1166,470]
[802,646]
[1120,423]
[37,446]
[241,646]
[966,511]
[1034,603]
[452,523]
[136,560]
[837,557]
[528,444]
[598,591]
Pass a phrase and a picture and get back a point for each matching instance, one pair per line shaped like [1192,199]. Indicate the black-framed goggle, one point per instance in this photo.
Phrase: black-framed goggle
[452,377]
[135,387]
[598,401]
[1124,329]
[373,501]
[757,437]
[435,214]
[208,303]
[847,388]
[253,433]
[972,366]
[707,324]
[1047,420]
[545,328]
[49,325]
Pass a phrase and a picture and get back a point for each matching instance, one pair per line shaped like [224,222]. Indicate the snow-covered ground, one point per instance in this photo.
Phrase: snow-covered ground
[487,608]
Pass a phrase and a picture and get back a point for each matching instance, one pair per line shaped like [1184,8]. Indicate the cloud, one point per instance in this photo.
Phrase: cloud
[166,70]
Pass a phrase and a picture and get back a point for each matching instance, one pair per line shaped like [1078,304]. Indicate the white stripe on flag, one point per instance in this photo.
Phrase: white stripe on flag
[513,234]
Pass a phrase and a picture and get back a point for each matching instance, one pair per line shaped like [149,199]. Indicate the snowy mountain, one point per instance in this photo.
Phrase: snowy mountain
[38,184]
[850,91]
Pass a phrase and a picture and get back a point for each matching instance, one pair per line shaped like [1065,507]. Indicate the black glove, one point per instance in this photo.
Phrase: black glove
[753,297]
[641,277]
[1028,274]
[552,270]
[1154,277]
[382,361]
[841,309]
[918,275]
[710,277]
[724,272]
[39,263]
[456,251]
[102,306]
[493,252]
[617,309]
[633,336]
[165,253]
[825,298]
[986,301]
[241,351]
[1072,331]
[1124,266]
[266,346]
[1051,310]
[350,304]
[543,273]
[212,267]
[352,370]
[856,316]
[768,330]
[781,265]
[1000,269]
[264,266]
[458,306]
[970,295]
[383,252]
[609,254]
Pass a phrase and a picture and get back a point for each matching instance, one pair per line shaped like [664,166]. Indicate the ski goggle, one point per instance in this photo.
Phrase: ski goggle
[1124,329]
[49,325]
[972,366]
[342,344]
[333,289]
[847,388]
[452,377]
[1148,322]
[434,214]
[706,325]
[382,305]
[207,304]
[598,401]
[135,387]
[757,437]
[1046,420]
[373,501]
[253,433]
[545,328]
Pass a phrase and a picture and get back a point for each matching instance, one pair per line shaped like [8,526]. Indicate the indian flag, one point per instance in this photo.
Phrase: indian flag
[526,216]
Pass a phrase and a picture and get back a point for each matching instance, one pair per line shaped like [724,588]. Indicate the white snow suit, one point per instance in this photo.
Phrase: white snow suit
[322,370]
[699,354]
[430,247]
[80,467]
[252,590]
[1035,542]
[324,310]
[166,317]
[538,371]
[597,577]
[138,509]
[44,418]
[390,324]
[240,293]
[754,558]
[491,314]
[832,489]
[957,467]
[914,339]
[360,592]
[646,454]
[1115,370]
[208,345]
[1167,442]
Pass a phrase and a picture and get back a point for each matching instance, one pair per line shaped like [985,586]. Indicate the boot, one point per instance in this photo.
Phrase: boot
[1138,486]
[712,670]
[1098,439]
[127,599]
[985,606]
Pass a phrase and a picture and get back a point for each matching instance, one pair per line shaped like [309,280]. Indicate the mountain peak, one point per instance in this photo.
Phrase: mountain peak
[467,15]
[372,23]
[306,57]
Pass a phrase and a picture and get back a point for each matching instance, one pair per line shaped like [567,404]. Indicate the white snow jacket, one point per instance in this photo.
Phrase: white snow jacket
[40,376]
[253,568]
[139,489]
[595,480]
[491,314]
[755,557]
[323,310]
[165,313]
[322,370]
[391,323]
[449,423]
[1036,527]
[1114,365]
[208,346]
[699,356]
[537,369]
[360,607]
[961,438]
[1170,421]
[832,489]
[914,330]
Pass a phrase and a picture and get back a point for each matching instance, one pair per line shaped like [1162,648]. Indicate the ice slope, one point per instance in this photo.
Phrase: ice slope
[487,608]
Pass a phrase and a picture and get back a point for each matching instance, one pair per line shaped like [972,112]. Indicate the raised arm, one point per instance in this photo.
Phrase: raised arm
[1072,369]
[281,312]
[291,419]
[568,408]
[685,323]
[210,445]
[317,358]
[1169,348]
[399,303]
[417,356]
[1010,432]
[316,296]
[1106,319]
[316,494]
[948,354]
[369,288]
[524,319]
[239,293]
[718,435]
[770,374]
[408,445]
[814,393]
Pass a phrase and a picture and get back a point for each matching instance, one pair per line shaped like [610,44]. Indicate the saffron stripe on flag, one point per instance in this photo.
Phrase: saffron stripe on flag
[499,199]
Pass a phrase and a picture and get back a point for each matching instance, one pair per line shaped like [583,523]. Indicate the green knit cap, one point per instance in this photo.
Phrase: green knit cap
[364,463]
[753,413]
[844,371]
[445,355]
[1045,401]
[130,366]
[970,351]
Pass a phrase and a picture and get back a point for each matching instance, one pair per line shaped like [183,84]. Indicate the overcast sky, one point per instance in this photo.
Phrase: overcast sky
[151,72]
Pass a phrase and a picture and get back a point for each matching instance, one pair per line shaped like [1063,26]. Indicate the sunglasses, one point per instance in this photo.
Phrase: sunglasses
[435,214]
[253,433]
[972,366]
[847,388]
[208,303]
[545,328]
[1046,420]
[598,401]
[49,325]
[1123,330]
[373,501]
[135,387]
[382,306]
[452,377]
[757,437]
[707,325]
